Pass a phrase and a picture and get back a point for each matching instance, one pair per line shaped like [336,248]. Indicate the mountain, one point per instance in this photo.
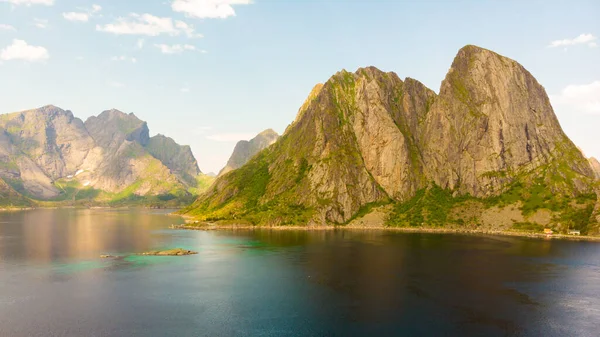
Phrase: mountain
[48,154]
[487,152]
[502,126]
[179,159]
[244,150]
[595,166]
[39,146]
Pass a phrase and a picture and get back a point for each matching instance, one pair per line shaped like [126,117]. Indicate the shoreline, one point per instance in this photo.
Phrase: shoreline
[424,230]
[16,209]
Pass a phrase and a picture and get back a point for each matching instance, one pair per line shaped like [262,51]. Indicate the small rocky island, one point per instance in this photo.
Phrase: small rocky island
[170,252]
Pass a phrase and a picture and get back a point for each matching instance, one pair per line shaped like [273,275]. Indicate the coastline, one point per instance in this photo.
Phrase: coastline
[21,209]
[425,230]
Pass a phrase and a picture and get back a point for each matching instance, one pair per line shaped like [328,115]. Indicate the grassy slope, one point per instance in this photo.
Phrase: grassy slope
[548,188]
[249,185]
[9,198]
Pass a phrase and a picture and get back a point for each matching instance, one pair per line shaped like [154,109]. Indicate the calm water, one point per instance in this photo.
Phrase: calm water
[284,283]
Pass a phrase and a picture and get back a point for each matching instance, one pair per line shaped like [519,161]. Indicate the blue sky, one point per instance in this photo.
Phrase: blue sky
[210,72]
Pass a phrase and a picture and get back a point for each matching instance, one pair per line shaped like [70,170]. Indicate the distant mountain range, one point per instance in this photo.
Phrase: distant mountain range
[47,154]
[487,152]
[244,150]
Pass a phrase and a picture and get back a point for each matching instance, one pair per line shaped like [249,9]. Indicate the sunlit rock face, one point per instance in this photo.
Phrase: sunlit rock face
[369,137]
[43,150]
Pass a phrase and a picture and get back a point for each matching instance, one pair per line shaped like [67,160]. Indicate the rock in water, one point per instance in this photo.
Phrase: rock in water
[170,252]
[368,137]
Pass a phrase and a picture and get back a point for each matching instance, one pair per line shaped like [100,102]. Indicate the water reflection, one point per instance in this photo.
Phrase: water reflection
[48,235]
[285,283]
[463,284]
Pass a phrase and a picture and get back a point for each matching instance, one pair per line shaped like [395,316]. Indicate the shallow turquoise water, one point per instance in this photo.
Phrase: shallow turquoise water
[284,283]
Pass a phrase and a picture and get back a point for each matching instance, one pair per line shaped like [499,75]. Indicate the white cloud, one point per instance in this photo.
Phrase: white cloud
[20,50]
[147,24]
[205,9]
[230,137]
[30,2]
[185,90]
[174,49]
[82,16]
[76,16]
[124,58]
[581,39]
[187,29]
[579,98]
[116,84]
[200,130]
[6,27]
[41,23]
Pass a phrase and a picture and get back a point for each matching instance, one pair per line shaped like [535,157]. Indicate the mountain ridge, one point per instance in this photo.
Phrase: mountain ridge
[369,138]
[48,154]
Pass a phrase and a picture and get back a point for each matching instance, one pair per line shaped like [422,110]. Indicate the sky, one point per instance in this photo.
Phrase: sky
[209,73]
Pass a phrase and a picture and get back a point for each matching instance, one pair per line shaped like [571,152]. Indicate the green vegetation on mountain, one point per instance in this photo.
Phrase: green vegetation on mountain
[487,152]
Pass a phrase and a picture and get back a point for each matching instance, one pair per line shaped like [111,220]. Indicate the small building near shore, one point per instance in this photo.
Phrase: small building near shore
[574,232]
[548,231]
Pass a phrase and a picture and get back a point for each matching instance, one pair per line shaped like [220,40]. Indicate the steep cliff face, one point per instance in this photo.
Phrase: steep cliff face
[353,143]
[365,138]
[386,119]
[179,159]
[492,122]
[42,145]
[595,166]
[244,149]
[48,154]
[112,127]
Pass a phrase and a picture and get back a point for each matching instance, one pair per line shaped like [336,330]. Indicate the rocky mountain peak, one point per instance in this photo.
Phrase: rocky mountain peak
[491,120]
[269,133]
[114,113]
[369,137]
[114,126]
[244,150]
[47,113]
[49,108]
[313,94]
[178,158]
[372,72]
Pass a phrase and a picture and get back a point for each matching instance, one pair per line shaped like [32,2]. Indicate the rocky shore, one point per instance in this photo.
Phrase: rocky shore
[214,226]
